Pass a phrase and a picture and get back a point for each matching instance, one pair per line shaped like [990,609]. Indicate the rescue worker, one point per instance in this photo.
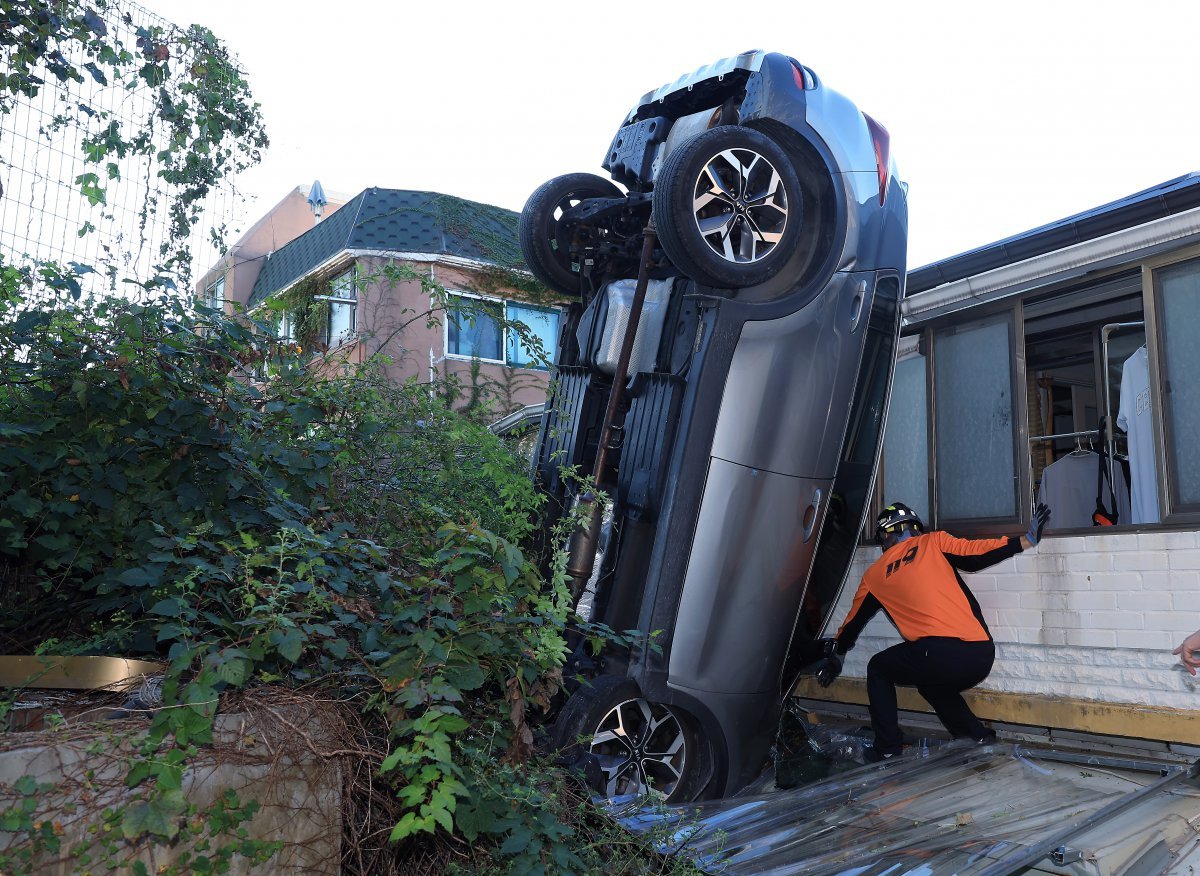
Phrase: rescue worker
[947,647]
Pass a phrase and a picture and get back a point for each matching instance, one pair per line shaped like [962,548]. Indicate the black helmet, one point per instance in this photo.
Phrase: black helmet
[896,517]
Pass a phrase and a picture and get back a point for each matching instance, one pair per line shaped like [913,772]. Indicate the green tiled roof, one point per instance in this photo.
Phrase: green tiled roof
[395,220]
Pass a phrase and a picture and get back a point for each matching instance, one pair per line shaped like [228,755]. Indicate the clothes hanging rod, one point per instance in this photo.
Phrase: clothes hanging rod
[1086,433]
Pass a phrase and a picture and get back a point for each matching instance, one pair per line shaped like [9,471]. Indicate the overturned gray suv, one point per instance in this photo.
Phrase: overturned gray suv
[762,212]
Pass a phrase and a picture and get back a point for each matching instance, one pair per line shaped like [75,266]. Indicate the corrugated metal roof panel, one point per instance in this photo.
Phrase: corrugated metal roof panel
[963,809]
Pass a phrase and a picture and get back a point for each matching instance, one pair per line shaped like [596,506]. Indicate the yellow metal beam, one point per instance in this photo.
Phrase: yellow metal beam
[1035,710]
[72,673]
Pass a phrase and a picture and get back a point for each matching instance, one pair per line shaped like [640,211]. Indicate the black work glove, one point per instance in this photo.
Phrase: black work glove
[830,666]
[1041,516]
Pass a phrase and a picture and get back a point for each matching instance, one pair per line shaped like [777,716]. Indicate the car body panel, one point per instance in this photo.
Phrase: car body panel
[736,589]
[767,419]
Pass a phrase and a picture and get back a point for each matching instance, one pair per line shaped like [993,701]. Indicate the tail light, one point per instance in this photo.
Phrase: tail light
[801,76]
[883,153]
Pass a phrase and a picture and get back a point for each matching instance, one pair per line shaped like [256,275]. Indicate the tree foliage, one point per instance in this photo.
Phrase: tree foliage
[158,499]
[201,127]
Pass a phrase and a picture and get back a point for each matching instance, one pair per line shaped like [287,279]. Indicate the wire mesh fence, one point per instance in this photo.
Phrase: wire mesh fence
[71,189]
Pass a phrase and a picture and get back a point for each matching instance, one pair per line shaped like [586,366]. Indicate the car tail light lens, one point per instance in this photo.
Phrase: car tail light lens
[883,153]
[802,77]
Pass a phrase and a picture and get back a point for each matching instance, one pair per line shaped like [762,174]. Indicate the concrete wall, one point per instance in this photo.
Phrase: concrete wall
[1086,617]
[255,755]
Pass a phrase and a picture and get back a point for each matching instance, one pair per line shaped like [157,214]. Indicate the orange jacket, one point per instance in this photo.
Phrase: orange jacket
[916,582]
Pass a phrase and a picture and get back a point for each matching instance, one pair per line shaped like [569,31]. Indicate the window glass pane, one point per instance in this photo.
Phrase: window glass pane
[906,439]
[473,328]
[343,286]
[341,322]
[976,468]
[1180,287]
[214,295]
[542,323]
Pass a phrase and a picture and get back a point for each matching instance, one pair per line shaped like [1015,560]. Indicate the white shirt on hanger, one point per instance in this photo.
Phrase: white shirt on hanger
[1069,490]
[1135,419]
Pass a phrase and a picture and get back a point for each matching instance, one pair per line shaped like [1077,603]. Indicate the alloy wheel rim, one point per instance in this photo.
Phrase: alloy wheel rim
[740,206]
[641,749]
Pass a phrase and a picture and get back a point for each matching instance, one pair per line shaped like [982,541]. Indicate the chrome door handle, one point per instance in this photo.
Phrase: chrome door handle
[810,514]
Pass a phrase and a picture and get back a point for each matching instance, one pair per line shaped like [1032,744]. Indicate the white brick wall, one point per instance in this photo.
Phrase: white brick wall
[1088,617]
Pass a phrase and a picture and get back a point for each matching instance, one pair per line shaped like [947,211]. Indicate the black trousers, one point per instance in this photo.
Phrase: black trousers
[940,669]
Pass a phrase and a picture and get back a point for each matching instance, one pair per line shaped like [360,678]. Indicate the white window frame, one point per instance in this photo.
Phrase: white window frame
[504,330]
[459,357]
[286,330]
[339,298]
[528,305]
[214,293]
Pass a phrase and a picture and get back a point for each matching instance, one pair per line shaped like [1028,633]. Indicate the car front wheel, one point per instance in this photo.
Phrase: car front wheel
[728,207]
[641,747]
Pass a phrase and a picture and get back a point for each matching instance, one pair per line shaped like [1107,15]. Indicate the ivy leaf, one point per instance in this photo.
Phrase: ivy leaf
[24,504]
[148,818]
[96,72]
[25,786]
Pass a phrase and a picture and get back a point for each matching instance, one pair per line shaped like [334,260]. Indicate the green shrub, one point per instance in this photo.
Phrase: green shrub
[156,498]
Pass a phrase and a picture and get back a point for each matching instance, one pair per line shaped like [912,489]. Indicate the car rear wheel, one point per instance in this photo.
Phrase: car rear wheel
[641,747]
[728,207]
[544,250]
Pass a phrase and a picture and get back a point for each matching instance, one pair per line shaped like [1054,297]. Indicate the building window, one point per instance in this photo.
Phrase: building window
[975,422]
[214,294]
[285,327]
[474,328]
[343,307]
[542,323]
[480,328]
[1019,406]
[906,437]
[1179,333]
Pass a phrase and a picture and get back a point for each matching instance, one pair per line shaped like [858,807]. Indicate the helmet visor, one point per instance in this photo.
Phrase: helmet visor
[890,531]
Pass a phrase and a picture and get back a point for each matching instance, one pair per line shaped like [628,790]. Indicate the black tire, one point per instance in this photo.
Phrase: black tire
[728,207]
[539,227]
[639,746]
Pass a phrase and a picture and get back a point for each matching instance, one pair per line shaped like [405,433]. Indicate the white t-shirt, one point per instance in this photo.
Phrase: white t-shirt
[1069,490]
[1135,419]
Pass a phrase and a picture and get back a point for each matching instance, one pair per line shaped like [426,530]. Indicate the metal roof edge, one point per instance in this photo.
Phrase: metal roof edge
[1161,200]
[1075,260]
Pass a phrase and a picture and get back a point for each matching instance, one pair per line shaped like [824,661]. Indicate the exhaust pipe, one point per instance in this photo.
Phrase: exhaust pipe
[581,556]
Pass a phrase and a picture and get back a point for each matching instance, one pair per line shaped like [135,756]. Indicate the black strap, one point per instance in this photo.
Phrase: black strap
[1101,477]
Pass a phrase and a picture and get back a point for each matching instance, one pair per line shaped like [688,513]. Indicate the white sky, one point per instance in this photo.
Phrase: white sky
[1003,116]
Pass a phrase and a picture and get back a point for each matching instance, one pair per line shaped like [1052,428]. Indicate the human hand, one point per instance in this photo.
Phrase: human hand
[1187,652]
[831,666]
[829,669]
[1041,516]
